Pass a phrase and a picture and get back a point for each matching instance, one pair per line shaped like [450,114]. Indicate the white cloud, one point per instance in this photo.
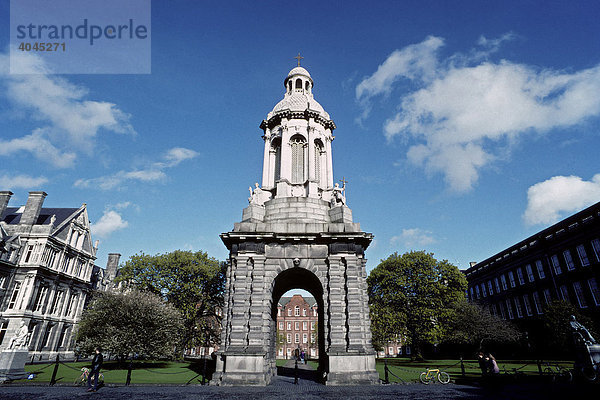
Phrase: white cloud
[464,108]
[153,173]
[548,201]
[69,120]
[110,222]
[21,181]
[413,238]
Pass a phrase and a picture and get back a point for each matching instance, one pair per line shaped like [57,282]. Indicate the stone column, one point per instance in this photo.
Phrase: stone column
[336,313]
[329,161]
[267,173]
[355,309]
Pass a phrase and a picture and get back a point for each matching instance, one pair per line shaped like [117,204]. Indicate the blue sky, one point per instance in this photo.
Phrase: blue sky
[462,126]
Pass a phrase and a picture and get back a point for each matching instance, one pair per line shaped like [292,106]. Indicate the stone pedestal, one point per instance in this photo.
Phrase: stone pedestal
[12,364]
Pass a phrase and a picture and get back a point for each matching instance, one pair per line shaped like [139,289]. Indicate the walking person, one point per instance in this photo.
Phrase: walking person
[493,368]
[303,357]
[482,363]
[95,371]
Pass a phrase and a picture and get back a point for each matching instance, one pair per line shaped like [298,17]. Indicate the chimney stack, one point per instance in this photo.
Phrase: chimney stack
[4,199]
[33,207]
[112,265]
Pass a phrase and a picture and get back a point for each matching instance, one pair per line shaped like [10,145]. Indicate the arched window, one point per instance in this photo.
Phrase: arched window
[298,147]
[290,86]
[306,86]
[298,83]
[276,149]
[297,311]
[318,155]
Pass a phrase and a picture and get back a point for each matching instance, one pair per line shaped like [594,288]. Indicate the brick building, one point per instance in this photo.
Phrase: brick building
[561,262]
[297,318]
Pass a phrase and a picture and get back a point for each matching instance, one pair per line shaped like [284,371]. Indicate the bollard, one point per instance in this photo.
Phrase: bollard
[539,364]
[385,369]
[296,373]
[462,367]
[204,371]
[53,380]
[129,368]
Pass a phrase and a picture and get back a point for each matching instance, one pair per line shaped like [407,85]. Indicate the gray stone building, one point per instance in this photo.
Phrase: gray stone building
[296,233]
[46,261]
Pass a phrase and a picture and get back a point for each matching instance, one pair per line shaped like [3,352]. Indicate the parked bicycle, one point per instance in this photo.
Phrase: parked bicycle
[591,372]
[558,373]
[432,374]
[85,375]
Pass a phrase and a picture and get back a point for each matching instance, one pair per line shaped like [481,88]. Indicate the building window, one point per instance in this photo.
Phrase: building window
[297,311]
[41,299]
[289,326]
[493,310]
[497,285]
[312,326]
[503,281]
[281,351]
[289,352]
[318,153]
[579,295]
[509,309]
[471,290]
[297,325]
[477,291]
[314,312]
[490,289]
[518,307]
[540,269]
[520,276]
[289,312]
[564,293]
[547,296]
[313,338]
[281,325]
[279,312]
[304,312]
[536,303]
[483,291]
[297,338]
[304,326]
[29,252]
[15,295]
[529,271]
[595,291]
[289,338]
[502,314]
[556,264]
[305,338]
[583,258]
[527,305]
[3,328]
[511,278]
[569,260]
[596,248]
[408,350]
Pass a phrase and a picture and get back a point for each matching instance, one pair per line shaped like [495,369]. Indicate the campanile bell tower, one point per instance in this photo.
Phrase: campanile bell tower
[296,233]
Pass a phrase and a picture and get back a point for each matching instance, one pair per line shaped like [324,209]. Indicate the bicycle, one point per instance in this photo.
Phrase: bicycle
[432,374]
[558,372]
[85,374]
[591,372]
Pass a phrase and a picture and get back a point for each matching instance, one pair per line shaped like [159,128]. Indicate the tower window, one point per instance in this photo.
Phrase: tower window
[290,86]
[298,83]
[306,86]
[298,148]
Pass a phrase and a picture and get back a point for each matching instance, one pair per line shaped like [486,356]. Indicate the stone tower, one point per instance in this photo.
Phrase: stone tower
[296,232]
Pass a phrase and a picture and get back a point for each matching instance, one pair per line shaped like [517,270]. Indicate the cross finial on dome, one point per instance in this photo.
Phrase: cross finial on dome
[298,57]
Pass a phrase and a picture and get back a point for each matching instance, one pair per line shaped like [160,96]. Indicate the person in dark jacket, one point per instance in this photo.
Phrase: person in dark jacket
[95,371]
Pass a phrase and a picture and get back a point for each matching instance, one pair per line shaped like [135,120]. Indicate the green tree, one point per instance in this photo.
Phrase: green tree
[131,322]
[557,315]
[192,282]
[413,295]
[473,325]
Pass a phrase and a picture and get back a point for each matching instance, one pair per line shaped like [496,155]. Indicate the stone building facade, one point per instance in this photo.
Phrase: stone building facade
[297,232]
[561,262]
[46,261]
[297,326]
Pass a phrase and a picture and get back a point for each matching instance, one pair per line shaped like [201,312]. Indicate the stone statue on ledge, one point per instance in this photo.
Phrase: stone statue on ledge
[258,196]
[19,341]
[580,333]
[339,197]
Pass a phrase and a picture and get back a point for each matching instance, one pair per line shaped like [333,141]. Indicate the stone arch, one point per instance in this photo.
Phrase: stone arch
[297,277]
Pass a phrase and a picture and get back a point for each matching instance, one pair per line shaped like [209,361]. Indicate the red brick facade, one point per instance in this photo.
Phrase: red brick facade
[297,326]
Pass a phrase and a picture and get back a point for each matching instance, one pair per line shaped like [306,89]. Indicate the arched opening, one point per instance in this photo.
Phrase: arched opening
[298,83]
[306,86]
[290,87]
[298,144]
[318,158]
[276,159]
[303,330]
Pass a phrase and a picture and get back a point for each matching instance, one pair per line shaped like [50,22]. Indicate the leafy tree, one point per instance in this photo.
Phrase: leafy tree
[413,295]
[131,322]
[473,325]
[557,316]
[192,282]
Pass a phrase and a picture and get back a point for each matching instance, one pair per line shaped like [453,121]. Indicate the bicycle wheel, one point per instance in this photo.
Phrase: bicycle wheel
[443,377]
[566,375]
[589,373]
[79,381]
[424,378]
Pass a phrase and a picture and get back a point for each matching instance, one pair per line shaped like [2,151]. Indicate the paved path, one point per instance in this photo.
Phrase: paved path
[284,389]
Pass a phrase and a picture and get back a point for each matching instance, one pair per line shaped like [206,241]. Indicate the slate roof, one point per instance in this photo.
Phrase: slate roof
[12,217]
[310,300]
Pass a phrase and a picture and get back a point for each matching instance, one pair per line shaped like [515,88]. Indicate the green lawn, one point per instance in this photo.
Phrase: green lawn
[409,371]
[142,373]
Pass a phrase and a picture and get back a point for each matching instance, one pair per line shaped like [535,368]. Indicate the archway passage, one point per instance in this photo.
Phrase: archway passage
[295,332]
